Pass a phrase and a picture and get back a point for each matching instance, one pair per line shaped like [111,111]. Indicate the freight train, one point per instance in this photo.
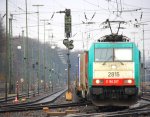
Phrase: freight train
[109,72]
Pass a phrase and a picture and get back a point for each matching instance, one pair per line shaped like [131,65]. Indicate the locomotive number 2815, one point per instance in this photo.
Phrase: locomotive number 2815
[113,74]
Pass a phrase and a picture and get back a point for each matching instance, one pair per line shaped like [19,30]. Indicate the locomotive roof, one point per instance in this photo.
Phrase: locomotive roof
[114,38]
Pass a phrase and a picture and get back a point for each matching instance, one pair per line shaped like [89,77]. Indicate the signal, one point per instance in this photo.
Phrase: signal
[67,23]
[68,44]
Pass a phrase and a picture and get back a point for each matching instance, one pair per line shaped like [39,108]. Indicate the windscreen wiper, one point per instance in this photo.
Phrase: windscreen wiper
[104,63]
[120,61]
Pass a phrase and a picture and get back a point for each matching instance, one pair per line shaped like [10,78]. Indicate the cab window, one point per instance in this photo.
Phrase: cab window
[103,55]
[123,54]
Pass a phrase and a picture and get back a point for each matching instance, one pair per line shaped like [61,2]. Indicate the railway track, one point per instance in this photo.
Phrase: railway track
[141,111]
[89,110]
[125,113]
[85,108]
[40,107]
[11,98]
[34,104]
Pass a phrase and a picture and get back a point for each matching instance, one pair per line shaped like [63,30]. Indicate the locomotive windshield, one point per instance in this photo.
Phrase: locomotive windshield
[117,54]
[123,54]
[103,54]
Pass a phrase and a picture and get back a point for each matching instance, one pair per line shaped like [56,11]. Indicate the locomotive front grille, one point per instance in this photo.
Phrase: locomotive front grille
[113,92]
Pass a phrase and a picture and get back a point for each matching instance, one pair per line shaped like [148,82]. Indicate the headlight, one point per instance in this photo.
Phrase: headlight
[99,81]
[113,66]
[128,81]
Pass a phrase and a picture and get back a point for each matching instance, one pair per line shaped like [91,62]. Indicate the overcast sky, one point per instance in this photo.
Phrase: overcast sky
[130,11]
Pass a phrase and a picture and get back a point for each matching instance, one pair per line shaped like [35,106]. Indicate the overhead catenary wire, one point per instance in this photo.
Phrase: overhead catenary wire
[20,8]
[87,11]
[125,4]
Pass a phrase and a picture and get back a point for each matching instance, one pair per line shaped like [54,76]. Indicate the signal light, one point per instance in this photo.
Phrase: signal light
[68,23]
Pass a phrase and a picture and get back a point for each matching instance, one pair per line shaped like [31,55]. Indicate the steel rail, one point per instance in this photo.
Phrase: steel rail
[40,107]
[30,103]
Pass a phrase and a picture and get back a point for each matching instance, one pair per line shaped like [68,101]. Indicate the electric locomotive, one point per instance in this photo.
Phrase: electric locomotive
[113,72]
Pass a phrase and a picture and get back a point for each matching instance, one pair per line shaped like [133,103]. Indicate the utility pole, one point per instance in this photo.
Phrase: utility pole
[26,49]
[10,54]
[69,90]
[134,35]
[44,56]
[143,56]
[24,55]
[38,63]
[23,60]
[33,66]
[144,67]
[7,51]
